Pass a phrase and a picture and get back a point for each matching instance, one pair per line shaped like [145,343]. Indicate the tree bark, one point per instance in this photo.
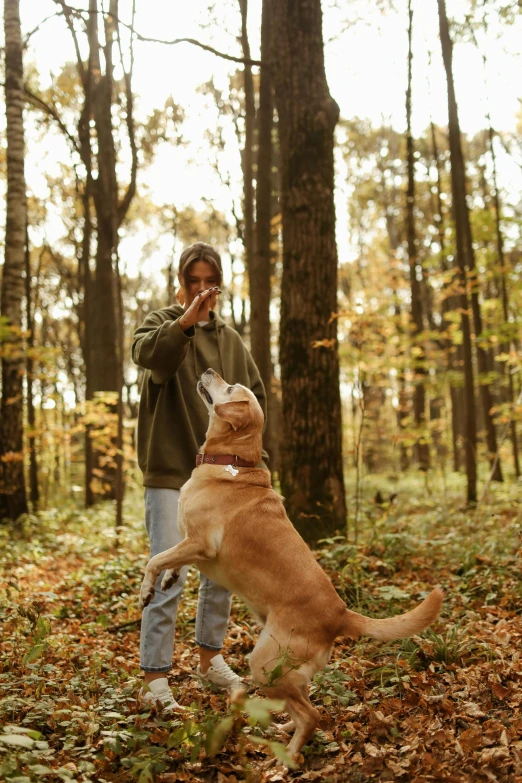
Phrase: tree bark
[419,394]
[462,261]
[311,446]
[13,499]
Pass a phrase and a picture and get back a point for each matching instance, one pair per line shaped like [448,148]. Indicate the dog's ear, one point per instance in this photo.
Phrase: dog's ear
[235,412]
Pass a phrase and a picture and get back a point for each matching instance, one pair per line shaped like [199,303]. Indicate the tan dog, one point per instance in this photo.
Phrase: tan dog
[238,534]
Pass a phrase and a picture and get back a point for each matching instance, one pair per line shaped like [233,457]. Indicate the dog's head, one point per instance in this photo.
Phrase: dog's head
[235,417]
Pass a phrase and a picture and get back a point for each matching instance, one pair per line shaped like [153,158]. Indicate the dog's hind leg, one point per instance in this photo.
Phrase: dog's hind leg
[290,684]
[304,716]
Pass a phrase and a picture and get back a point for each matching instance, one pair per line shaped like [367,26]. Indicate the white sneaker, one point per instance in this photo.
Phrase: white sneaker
[160,692]
[219,673]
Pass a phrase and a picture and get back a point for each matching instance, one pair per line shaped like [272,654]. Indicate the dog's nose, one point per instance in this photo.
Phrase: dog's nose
[207,377]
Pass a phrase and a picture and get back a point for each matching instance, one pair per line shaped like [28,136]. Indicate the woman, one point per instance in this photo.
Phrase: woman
[174,346]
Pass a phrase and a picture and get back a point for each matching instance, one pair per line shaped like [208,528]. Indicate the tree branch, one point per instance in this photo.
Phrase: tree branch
[67,13]
[145,39]
[40,24]
[39,103]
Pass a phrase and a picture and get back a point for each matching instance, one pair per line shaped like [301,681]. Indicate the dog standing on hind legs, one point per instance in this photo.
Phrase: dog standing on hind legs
[238,534]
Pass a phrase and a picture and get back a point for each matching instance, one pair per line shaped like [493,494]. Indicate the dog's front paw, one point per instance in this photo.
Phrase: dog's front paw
[170,578]
[146,593]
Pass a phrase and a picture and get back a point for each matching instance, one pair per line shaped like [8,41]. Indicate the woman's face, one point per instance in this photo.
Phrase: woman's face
[199,276]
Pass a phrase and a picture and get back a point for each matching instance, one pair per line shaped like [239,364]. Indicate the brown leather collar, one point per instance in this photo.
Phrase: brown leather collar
[223,459]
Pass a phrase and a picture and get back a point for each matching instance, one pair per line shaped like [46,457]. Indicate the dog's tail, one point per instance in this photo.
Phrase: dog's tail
[399,627]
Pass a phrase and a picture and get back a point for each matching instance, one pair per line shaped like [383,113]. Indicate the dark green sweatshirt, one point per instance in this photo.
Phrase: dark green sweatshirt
[172,418]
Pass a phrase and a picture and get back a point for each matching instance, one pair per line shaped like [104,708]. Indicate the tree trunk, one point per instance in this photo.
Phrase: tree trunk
[260,270]
[29,368]
[395,239]
[247,156]
[505,347]
[105,344]
[311,446]
[419,394]
[85,276]
[461,210]
[462,261]
[403,404]
[88,321]
[104,301]
[13,500]
[448,304]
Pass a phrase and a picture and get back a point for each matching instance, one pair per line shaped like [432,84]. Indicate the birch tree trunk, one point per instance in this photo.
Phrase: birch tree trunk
[13,499]
[311,445]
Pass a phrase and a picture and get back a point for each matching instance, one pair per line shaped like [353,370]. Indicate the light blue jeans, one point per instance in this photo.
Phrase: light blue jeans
[159,617]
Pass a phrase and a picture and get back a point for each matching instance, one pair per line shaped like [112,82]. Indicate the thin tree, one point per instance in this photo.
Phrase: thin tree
[501,257]
[462,261]
[419,394]
[260,269]
[502,262]
[448,304]
[13,499]
[247,153]
[311,444]
[465,251]
[34,494]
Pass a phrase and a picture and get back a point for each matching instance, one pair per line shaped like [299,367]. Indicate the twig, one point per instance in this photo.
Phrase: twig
[122,626]
[35,30]
[39,103]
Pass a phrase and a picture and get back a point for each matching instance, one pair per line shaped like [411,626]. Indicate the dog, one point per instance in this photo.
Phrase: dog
[238,534]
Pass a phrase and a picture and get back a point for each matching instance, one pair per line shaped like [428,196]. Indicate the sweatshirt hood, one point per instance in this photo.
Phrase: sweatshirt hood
[176,311]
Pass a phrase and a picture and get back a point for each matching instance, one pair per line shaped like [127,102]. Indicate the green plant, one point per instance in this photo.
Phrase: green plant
[330,685]
[284,663]
[454,644]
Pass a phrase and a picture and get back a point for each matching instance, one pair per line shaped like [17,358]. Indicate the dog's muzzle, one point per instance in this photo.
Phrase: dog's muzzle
[202,390]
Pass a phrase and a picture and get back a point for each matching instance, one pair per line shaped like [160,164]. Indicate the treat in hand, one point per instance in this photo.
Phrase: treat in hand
[200,307]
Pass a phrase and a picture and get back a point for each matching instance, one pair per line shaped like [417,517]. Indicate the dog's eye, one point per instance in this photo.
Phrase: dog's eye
[229,389]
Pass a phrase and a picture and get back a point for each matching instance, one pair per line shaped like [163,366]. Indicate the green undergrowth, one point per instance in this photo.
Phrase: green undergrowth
[69,612]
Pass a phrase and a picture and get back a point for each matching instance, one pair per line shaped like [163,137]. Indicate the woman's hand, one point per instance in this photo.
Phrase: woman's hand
[200,307]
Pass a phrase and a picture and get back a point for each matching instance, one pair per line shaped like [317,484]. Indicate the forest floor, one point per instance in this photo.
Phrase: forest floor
[446,705]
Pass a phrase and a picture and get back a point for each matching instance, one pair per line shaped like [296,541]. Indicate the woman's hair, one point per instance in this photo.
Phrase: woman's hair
[199,251]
